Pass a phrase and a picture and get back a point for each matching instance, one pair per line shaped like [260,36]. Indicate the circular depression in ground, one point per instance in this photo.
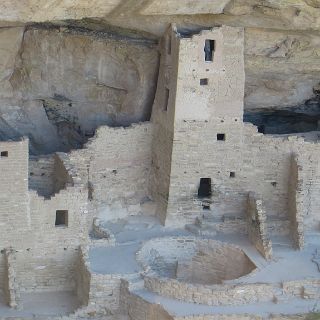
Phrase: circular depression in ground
[195,261]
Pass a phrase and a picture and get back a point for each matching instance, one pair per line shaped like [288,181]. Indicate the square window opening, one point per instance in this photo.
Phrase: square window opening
[61,218]
[204,82]
[204,190]
[209,48]
[232,174]
[4,154]
[221,137]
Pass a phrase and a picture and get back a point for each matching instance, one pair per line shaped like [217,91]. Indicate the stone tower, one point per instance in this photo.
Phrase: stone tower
[198,122]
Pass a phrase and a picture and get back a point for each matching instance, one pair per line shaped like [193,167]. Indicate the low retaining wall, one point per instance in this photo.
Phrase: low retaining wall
[214,295]
[238,294]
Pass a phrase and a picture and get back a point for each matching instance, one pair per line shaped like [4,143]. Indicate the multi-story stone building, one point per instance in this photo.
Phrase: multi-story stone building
[197,162]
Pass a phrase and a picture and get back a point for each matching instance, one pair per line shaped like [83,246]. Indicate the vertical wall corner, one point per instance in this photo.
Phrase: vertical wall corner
[257,228]
[296,201]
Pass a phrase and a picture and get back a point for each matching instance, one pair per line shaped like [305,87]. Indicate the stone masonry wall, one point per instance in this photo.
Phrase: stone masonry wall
[257,228]
[11,290]
[47,260]
[138,308]
[120,166]
[162,119]
[116,163]
[259,162]
[233,294]
[83,277]
[211,141]
[296,201]
[99,292]
[45,252]
[310,175]
[214,295]
[14,202]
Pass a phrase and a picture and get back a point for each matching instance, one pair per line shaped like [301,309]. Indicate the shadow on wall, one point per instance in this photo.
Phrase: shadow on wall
[48,175]
[304,118]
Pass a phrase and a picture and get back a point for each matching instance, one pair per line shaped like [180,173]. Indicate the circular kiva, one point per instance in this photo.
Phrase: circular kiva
[195,261]
[198,267]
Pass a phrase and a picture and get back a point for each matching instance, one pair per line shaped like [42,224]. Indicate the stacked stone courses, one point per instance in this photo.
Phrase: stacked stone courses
[198,168]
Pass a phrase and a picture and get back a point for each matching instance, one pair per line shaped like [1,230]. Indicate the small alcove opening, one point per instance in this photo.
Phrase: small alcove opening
[232,174]
[204,82]
[166,99]
[61,218]
[204,190]
[209,48]
[221,137]
[274,184]
[4,154]
[206,207]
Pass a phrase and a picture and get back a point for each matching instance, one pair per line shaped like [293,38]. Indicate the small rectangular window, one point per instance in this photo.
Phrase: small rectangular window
[221,137]
[209,48]
[4,154]
[204,82]
[232,174]
[166,99]
[61,218]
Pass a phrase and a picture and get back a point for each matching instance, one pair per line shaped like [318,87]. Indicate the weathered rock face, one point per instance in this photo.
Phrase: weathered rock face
[70,80]
[61,84]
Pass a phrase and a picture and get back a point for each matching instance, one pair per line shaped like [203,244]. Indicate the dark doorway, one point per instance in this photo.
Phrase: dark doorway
[209,47]
[204,190]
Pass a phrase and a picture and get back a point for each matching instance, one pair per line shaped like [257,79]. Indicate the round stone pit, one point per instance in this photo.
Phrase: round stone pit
[196,270]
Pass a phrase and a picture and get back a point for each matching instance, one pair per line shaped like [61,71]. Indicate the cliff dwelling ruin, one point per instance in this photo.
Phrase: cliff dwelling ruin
[150,170]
